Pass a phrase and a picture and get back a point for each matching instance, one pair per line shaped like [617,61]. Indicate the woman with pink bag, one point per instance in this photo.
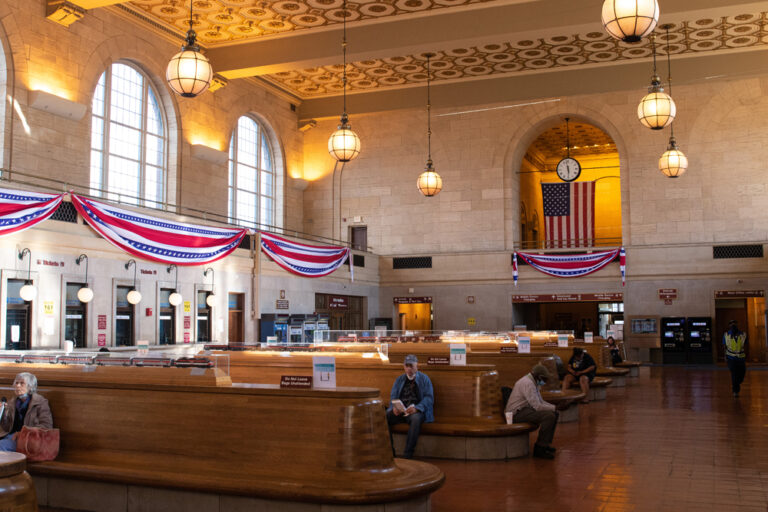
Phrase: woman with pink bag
[28,409]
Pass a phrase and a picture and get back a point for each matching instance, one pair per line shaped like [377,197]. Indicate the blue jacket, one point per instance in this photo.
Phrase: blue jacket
[426,395]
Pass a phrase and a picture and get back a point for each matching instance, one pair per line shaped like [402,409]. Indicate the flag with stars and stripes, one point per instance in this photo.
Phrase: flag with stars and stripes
[301,259]
[158,239]
[569,214]
[20,210]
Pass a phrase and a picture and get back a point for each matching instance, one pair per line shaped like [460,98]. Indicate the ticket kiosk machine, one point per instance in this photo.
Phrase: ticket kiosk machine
[673,340]
[698,340]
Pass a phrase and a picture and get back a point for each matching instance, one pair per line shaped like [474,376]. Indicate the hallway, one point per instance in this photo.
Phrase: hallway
[673,440]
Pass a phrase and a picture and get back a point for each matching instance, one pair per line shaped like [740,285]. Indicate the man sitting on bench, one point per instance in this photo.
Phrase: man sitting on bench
[527,406]
[411,402]
[581,368]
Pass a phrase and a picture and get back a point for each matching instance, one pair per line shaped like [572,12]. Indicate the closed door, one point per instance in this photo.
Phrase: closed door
[236,302]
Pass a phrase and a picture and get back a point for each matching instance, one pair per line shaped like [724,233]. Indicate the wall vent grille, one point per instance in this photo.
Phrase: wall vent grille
[412,262]
[721,252]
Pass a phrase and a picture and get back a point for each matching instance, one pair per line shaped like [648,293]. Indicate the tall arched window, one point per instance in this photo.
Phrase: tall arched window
[251,175]
[128,139]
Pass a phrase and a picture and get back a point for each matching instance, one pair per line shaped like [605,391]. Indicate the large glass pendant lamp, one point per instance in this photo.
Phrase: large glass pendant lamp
[134,296]
[657,109]
[344,144]
[673,162]
[430,183]
[630,20]
[189,73]
[27,292]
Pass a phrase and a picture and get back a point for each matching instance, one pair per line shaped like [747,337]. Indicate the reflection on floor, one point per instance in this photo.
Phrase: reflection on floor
[673,440]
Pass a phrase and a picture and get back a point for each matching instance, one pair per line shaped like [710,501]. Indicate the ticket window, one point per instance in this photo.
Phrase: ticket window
[124,318]
[167,326]
[75,317]
[203,316]
[18,314]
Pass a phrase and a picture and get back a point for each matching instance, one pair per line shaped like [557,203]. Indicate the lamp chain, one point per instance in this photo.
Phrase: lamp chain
[653,46]
[429,116]
[344,54]
[190,14]
[567,139]
[669,81]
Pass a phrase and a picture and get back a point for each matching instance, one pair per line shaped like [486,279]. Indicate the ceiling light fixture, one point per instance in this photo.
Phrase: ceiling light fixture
[630,20]
[673,162]
[189,73]
[430,183]
[657,109]
[344,144]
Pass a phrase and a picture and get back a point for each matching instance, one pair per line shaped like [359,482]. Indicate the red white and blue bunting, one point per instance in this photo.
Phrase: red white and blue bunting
[157,239]
[567,265]
[301,259]
[20,210]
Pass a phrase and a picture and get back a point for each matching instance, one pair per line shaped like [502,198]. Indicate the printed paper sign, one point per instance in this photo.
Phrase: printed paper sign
[458,354]
[438,360]
[187,337]
[296,381]
[324,372]
[187,306]
[48,307]
[588,337]
[15,333]
[523,345]
[143,347]
[610,334]
[562,340]
[187,322]
[102,322]
[102,340]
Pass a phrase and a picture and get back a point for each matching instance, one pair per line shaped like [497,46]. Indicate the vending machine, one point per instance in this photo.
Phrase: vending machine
[673,340]
[698,340]
[309,326]
[296,329]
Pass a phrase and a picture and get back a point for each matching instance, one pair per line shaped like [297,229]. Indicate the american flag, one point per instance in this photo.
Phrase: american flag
[569,213]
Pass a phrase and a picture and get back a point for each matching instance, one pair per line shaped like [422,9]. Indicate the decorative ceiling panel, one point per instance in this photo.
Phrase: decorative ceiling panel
[702,35]
[219,21]
[585,139]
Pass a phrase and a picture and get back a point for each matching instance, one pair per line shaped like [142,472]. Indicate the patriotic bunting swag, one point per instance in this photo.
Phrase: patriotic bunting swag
[514,267]
[20,210]
[158,239]
[623,266]
[301,259]
[569,265]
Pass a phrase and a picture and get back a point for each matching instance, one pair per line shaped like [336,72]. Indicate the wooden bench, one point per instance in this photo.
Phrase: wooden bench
[510,367]
[219,447]
[616,377]
[632,366]
[469,422]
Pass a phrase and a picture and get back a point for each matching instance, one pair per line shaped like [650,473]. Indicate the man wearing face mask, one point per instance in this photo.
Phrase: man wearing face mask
[527,406]
[411,401]
[28,409]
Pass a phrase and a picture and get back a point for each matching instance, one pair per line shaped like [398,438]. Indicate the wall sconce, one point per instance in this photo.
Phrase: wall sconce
[28,291]
[175,298]
[57,105]
[133,297]
[211,298]
[84,294]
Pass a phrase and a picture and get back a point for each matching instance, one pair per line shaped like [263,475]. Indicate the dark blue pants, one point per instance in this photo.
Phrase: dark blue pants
[738,368]
[414,422]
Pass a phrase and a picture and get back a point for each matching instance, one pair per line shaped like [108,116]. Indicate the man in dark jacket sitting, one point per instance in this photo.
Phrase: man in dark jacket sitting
[411,401]
[581,368]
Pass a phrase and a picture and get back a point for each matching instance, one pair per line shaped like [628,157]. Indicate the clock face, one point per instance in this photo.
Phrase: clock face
[568,169]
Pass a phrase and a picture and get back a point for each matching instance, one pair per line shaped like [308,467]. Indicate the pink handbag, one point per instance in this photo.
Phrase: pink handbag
[38,444]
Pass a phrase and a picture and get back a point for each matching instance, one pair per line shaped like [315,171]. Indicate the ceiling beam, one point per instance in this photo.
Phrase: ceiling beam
[524,87]
[442,29]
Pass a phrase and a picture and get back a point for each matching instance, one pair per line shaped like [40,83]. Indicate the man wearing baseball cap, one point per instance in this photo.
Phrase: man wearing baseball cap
[411,401]
[527,406]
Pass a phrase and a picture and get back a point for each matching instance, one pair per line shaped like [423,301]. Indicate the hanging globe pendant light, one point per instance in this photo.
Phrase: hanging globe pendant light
[630,20]
[673,162]
[344,144]
[189,73]
[430,183]
[657,109]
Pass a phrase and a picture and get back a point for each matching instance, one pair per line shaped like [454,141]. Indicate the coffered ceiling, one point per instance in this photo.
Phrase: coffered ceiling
[486,51]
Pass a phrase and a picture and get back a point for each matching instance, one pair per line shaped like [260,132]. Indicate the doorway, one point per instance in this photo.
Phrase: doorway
[17,317]
[236,302]
[415,317]
[749,314]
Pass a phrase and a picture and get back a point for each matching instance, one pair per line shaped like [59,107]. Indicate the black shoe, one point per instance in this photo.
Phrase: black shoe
[541,452]
[550,449]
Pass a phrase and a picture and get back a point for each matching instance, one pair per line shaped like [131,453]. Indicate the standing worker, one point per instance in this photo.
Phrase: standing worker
[735,343]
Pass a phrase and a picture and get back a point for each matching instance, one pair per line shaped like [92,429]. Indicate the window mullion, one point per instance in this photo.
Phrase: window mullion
[106,149]
[143,145]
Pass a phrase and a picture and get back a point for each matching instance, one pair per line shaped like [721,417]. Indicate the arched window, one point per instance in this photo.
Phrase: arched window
[252,176]
[128,139]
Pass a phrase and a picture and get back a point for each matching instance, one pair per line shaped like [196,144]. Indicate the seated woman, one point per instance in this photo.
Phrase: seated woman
[581,368]
[28,409]
[615,354]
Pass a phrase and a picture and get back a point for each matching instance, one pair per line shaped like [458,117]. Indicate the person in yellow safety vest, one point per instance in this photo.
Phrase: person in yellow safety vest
[735,343]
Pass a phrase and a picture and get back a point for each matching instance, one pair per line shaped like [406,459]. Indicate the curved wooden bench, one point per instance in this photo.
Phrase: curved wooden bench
[257,444]
[597,388]
[467,401]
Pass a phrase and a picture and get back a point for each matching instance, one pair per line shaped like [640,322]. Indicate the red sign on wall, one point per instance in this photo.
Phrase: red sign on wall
[187,322]
[667,293]
[412,300]
[102,340]
[338,302]
[738,294]
[571,297]
[187,337]
[102,322]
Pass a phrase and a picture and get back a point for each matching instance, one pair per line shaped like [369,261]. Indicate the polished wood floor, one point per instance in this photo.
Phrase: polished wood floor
[675,439]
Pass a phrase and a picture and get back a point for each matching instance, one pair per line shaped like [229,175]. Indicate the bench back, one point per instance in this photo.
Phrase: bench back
[462,393]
